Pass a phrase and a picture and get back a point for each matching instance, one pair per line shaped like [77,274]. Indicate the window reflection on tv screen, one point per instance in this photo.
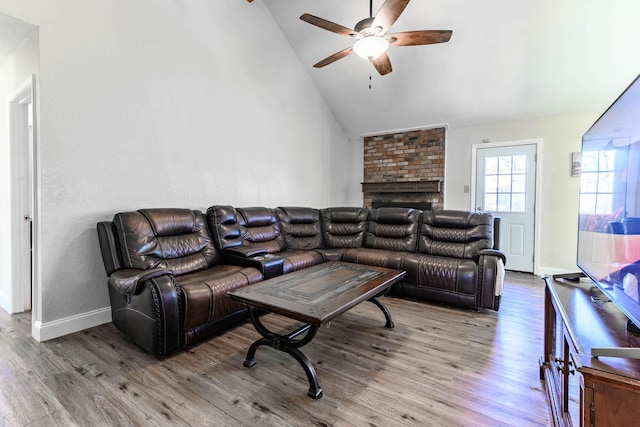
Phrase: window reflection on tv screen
[609,222]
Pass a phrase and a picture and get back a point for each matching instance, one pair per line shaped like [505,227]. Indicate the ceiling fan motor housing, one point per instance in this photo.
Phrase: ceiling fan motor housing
[365,28]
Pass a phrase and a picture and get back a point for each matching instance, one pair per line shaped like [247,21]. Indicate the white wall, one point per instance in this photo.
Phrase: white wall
[356,172]
[13,73]
[165,104]
[558,194]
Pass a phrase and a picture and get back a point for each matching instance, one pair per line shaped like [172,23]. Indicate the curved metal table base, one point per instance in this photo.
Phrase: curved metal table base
[385,310]
[290,344]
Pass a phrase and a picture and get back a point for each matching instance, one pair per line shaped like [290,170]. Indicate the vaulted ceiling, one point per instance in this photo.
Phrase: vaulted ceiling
[507,59]
[13,32]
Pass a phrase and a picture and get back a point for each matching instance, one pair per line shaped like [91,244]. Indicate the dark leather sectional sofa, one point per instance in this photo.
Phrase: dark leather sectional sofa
[170,269]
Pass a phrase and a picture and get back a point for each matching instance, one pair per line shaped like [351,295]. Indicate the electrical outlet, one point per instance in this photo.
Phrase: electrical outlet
[466,189]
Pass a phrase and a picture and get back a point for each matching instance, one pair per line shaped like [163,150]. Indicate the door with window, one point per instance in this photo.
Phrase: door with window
[505,186]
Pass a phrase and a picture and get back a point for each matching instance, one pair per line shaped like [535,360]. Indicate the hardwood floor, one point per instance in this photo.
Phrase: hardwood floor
[440,366]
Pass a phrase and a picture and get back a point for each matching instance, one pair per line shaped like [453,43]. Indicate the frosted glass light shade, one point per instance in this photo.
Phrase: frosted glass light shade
[371,47]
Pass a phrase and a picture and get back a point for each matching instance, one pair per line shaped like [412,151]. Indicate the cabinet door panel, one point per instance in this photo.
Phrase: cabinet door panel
[611,405]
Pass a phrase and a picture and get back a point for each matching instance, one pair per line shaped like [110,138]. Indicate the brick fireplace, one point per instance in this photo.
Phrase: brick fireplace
[406,168]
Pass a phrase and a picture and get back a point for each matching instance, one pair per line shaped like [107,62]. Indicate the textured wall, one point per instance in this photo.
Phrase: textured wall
[166,104]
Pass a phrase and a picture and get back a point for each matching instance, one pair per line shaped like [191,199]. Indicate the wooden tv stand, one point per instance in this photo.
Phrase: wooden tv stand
[584,390]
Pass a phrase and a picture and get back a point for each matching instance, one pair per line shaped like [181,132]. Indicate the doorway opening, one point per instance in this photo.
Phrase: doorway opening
[22,146]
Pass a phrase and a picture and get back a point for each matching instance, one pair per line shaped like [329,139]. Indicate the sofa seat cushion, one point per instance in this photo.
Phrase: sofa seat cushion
[375,257]
[205,293]
[455,275]
[297,260]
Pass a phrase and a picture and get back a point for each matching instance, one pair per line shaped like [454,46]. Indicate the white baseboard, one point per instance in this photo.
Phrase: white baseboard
[57,328]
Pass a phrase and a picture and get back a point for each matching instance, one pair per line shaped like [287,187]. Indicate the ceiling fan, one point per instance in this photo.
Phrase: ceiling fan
[372,38]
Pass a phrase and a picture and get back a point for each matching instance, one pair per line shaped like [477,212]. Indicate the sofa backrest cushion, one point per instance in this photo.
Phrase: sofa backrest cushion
[457,234]
[176,239]
[344,227]
[300,227]
[224,227]
[393,229]
[259,226]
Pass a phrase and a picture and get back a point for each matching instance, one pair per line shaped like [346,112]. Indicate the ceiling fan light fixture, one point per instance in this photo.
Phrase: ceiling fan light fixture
[371,47]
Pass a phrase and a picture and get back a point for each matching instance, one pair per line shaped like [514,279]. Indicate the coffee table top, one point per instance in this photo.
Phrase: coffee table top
[318,294]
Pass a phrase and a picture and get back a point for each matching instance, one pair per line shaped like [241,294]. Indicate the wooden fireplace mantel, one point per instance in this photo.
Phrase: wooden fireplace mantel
[401,187]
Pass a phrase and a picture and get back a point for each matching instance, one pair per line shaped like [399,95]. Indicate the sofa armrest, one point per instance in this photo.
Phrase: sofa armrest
[245,251]
[333,254]
[151,318]
[491,270]
[493,252]
[268,264]
[129,281]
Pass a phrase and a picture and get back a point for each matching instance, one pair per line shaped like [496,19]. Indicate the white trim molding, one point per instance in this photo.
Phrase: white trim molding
[68,325]
[390,132]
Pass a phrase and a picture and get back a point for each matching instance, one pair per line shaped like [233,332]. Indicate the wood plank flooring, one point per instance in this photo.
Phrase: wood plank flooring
[440,366]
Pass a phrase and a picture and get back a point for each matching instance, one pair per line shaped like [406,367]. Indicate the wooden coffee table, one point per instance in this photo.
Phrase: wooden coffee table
[314,296]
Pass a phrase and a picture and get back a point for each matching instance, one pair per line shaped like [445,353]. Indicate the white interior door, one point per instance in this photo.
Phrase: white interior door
[22,183]
[505,186]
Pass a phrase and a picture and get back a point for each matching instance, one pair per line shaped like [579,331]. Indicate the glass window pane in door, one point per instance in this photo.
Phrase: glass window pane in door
[491,202]
[504,183]
[518,183]
[517,202]
[504,202]
[491,166]
[491,184]
[504,165]
[520,164]
[506,176]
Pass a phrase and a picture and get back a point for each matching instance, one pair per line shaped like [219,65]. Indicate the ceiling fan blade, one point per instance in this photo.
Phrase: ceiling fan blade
[382,64]
[328,25]
[333,58]
[389,12]
[418,38]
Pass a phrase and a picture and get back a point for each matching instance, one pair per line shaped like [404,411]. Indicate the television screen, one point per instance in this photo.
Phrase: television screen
[609,223]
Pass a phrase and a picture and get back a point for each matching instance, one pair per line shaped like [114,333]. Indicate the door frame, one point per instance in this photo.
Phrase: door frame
[538,142]
[23,298]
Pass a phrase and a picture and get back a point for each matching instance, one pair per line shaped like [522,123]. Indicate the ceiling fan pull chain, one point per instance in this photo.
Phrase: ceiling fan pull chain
[369,78]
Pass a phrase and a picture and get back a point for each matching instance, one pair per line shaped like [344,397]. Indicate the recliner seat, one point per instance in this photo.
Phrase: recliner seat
[390,236]
[167,285]
[455,262]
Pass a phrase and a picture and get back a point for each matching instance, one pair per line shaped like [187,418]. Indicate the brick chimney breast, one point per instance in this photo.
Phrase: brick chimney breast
[416,155]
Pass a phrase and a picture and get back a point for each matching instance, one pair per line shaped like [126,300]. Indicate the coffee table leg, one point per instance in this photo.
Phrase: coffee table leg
[385,310]
[287,344]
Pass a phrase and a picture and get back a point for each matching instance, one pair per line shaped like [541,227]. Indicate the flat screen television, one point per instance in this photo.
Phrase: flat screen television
[609,218]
